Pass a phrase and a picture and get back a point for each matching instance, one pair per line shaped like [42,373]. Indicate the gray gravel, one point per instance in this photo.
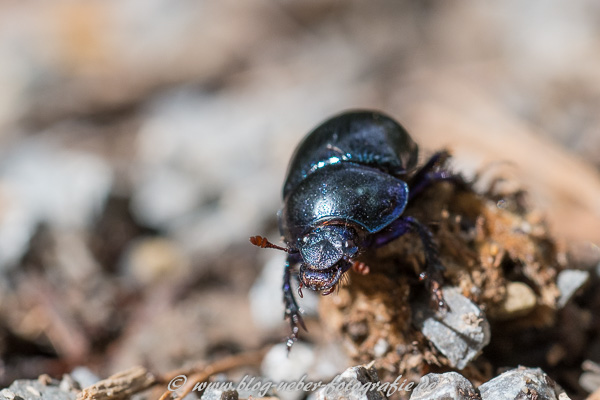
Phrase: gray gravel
[521,383]
[568,282]
[35,389]
[459,333]
[353,384]
[448,386]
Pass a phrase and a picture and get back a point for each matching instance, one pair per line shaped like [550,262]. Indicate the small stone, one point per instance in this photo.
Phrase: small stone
[163,195]
[330,358]
[7,394]
[37,389]
[568,282]
[459,333]
[590,381]
[83,376]
[381,347]
[220,388]
[521,383]
[520,300]
[355,383]
[212,393]
[154,259]
[590,378]
[68,383]
[281,366]
[33,391]
[450,386]
[40,183]
[45,379]
[230,395]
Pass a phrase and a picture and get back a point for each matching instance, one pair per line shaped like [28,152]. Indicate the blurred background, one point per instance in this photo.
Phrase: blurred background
[143,141]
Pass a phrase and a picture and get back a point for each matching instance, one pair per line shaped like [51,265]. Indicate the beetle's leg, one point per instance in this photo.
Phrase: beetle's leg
[434,177]
[434,270]
[436,160]
[292,311]
[398,228]
[429,174]
[433,274]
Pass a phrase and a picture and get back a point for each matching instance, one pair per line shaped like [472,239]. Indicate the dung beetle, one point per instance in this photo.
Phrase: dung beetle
[346,190]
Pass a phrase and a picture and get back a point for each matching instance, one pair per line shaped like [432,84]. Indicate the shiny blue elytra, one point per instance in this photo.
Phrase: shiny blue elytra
[346,194]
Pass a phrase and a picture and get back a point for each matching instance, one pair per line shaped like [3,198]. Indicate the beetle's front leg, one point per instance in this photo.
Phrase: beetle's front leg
[292,311]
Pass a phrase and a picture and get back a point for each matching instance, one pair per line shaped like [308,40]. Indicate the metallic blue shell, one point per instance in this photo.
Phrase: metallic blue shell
[363,137]
[344,192]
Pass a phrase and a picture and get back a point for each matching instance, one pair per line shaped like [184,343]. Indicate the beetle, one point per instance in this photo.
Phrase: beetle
[347,186]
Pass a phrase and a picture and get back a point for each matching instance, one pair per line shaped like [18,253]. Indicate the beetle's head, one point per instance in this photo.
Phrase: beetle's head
[327,253]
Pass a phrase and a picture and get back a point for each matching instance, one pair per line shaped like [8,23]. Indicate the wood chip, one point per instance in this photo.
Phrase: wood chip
[119,386]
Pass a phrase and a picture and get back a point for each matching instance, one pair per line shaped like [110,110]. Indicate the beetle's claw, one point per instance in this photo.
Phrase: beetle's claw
[434,286]
[296,322]
[437,295]
[290,342]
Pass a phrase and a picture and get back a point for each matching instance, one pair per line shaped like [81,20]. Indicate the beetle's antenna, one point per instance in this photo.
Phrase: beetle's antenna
[264,243]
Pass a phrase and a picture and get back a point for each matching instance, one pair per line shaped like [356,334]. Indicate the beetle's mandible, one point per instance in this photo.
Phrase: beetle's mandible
[346,190]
